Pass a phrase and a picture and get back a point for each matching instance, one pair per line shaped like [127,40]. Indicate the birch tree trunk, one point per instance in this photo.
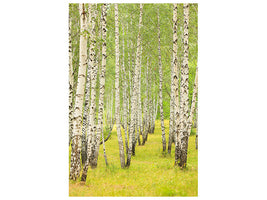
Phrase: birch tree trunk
[183,123]
[71,78]
[102,88]
[160,92]
[77,121]
[117,88]
[134,96]
[93,66]
[86,104]
[144,135]
[125,86]
[193,104]
[172,124]
[175,86]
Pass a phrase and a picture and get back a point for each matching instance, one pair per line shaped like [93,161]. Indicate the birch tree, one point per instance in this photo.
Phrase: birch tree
[117,88]
[102,88]
[134,96]
[183,123]
[160,92]
[93,66]
[77,121]
[193,104]
[174,85]
[70,85]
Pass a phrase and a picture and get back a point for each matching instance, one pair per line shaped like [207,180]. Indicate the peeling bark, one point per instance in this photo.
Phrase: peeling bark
[93,66]
[183,123]
[77,120]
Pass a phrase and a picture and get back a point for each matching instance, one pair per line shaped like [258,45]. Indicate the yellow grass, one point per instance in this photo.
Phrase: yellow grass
[151,173]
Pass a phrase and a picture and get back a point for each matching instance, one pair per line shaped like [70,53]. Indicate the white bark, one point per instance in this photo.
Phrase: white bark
[71,79]
[134,96]
[183,123]
[193,104]
[160,92]
[76,147]
[117,88]
[125,86]
[93,66]
[102,87]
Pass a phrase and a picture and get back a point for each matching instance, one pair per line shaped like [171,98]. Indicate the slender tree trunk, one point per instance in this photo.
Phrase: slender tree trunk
[182,127]
[77,122]
[175,85]
[160,93]
[134,97]
[86,105]
[125,86]
[102,88]
[172,122]
[117,88]
[93,66]
[193,104]
[71,79]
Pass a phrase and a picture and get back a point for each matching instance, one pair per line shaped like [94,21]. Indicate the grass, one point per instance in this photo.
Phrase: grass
[151,173]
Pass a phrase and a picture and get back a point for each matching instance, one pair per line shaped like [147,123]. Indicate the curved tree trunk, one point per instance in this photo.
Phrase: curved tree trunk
[134,96]
[117,88]
[77,122]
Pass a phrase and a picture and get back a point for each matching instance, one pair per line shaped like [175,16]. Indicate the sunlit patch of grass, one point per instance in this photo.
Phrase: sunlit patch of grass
[151,173]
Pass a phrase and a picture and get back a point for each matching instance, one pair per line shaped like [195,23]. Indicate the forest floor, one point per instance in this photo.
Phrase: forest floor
[151,173]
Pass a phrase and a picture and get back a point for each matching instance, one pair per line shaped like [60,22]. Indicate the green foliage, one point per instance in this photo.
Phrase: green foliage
[129,17]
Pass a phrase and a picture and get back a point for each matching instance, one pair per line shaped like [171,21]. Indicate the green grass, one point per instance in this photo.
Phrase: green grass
[151,173]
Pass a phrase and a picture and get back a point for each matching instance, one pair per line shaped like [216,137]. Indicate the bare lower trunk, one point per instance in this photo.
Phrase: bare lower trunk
[117,88]
[77,122]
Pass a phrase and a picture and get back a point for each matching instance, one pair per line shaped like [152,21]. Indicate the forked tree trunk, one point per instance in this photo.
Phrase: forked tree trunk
[183,121]
[93,66]
[134,97]
[117,88]
[160,93]
[77,122]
